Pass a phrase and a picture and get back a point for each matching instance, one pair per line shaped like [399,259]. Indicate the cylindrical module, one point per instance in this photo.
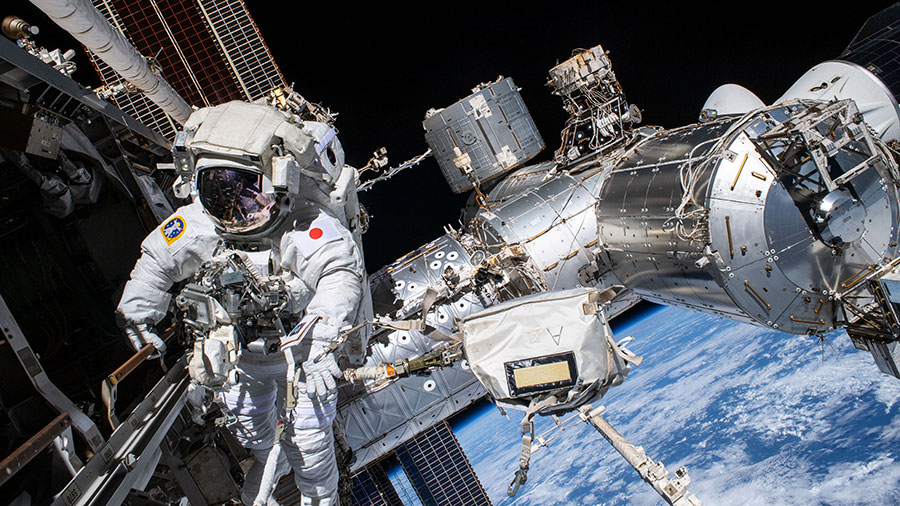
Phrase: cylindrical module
[763,218]
[553,222]
[81,19]
[650,250]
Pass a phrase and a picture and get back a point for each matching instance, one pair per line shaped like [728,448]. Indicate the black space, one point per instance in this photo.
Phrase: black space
[382,67]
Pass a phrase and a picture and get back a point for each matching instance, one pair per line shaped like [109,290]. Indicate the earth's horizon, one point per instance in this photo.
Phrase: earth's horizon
[758,417]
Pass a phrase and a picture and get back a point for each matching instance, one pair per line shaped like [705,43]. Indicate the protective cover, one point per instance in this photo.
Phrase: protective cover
[247,131]
[214,359]
[544,342]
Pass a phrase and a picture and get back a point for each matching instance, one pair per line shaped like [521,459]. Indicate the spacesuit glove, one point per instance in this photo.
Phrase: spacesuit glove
[140,335]
[320,376]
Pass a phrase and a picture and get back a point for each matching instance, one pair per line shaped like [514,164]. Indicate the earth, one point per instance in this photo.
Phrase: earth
[758,418]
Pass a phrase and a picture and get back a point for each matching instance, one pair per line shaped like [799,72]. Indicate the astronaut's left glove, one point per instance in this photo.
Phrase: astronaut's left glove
[321,368]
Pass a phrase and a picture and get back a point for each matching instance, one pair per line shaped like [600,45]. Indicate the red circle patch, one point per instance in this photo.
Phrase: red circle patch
[315,233]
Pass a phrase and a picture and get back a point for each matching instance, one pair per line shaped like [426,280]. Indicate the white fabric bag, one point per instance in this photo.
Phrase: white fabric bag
[545,342]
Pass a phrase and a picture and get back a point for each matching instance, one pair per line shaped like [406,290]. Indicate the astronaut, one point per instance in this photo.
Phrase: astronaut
[274,189]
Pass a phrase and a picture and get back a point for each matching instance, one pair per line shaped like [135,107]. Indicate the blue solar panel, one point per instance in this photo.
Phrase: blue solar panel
[372,487]
[438,469]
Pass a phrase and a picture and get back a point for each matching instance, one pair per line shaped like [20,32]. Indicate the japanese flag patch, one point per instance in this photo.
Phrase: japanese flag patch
[173,229]
[320,232]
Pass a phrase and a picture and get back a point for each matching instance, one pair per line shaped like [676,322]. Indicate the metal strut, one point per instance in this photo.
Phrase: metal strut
[673,490]
[389,173]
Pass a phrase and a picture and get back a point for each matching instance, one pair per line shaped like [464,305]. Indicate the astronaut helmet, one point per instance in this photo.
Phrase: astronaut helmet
[238,197]
[249,165]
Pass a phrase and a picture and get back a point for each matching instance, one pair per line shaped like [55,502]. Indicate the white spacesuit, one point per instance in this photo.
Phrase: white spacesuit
[262,181]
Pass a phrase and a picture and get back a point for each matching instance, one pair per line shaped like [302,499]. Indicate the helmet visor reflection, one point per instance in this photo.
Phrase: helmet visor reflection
[234,198]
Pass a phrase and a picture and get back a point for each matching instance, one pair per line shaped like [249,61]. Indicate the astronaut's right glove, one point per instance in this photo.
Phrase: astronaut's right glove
[140,335]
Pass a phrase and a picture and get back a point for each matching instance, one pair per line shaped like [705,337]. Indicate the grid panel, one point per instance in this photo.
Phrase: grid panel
[439,470]
[372,487]
[137,105]
[401,481]
[245,46]
[200,50]
[878,50]
[193,59]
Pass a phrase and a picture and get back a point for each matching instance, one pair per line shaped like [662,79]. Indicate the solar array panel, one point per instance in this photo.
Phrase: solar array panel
[252,61]
[210,51]
[876,47]
[372,487]
[438,469]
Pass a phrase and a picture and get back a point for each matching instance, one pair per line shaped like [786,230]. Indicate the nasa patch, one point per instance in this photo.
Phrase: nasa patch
[173,229]
[320,232]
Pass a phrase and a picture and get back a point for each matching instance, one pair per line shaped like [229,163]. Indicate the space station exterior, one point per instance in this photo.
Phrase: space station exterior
[783,216]
[768,216]
[713,218]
